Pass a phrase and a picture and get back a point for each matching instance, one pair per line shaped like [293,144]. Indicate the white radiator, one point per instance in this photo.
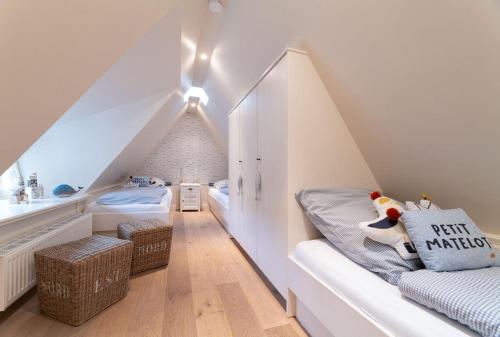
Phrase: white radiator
[17,265]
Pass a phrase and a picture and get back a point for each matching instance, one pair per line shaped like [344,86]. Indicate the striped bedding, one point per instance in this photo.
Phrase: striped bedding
[471,297]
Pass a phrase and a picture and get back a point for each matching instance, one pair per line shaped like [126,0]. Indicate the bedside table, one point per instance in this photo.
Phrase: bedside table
[190,197]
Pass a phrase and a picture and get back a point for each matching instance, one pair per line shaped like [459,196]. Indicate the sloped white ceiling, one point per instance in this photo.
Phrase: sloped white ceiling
[52,51]
[193,15]
[418,84]
[104,121]
[143,143]
[76,152]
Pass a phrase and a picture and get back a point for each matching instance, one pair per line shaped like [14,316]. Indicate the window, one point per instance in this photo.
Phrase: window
[9,180]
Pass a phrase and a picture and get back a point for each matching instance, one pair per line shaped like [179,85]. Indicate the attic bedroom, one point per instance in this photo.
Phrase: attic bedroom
[249,168]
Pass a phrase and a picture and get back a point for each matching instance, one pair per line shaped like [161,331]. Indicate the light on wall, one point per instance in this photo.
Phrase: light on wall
[196,92]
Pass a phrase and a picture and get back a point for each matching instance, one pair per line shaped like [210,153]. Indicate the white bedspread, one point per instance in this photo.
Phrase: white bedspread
[222,198]
[163,206]
[374,296]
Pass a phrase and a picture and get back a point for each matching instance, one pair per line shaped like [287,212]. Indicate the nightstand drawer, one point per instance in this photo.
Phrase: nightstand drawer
[190,195]
[190,189]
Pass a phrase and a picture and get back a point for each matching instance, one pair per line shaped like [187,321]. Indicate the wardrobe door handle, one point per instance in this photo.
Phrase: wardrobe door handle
[258,185]
[240,184]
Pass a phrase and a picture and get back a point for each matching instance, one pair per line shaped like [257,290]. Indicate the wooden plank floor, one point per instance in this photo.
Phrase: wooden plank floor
[208,290]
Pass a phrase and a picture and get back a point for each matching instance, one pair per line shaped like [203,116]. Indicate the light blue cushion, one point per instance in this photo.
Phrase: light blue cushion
[448,240]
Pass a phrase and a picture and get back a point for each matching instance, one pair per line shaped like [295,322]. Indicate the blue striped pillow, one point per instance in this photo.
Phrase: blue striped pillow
[143,181]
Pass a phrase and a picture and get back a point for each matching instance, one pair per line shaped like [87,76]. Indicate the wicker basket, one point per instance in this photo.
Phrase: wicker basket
[152,240]
[79,279]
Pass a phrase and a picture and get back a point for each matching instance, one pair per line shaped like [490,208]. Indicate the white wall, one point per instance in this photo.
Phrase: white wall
[190,146]
[148,138]
[77,152]
[416,82]
[52,52]
[104,121]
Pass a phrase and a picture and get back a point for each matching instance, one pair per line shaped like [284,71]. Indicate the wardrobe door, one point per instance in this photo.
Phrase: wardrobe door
[272,234]
[234,174]
[248,122]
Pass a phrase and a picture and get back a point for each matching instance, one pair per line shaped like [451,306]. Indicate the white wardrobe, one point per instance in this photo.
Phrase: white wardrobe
[285,135]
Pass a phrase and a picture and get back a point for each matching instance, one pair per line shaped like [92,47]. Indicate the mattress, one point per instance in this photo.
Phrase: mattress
[163,206]
[371,294]
[222,198]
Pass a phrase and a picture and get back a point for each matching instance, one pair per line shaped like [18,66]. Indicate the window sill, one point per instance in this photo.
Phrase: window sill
[14,212]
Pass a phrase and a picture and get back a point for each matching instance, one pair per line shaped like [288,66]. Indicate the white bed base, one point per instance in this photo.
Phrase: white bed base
[219,211]
[324,311]
[103,222]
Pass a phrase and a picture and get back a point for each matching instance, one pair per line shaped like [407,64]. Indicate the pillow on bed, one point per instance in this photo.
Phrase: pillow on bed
[156,182]
[448,240]
[336,213]
[221,184]
[224,190]
[143,181]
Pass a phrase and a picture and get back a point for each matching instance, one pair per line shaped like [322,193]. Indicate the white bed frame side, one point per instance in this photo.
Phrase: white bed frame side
[104,222]
[334,312]
[219,211]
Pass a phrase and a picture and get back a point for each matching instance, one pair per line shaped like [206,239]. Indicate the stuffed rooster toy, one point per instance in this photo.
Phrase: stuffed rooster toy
[387,228]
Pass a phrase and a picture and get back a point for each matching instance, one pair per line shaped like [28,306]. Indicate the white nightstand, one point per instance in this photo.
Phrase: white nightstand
[190,197]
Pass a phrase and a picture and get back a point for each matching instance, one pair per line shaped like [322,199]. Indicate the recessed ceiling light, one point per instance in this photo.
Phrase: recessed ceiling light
[196,92]
[216,6]
[203,56]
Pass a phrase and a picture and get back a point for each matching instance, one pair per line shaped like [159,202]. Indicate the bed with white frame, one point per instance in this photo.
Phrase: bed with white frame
[218,203]
[106,217]
[332,296]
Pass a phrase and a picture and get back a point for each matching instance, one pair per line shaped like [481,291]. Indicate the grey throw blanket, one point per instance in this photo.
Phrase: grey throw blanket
[471,297]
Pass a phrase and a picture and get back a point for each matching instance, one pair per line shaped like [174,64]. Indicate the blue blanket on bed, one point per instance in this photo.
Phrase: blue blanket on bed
[139,195]
[471,297]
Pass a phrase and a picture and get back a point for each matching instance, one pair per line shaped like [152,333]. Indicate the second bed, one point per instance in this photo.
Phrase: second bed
[219,205]
[106,217]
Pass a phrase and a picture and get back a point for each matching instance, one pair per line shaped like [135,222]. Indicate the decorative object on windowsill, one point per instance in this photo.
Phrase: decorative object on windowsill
[35,189]
[19,195]
[64,190]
